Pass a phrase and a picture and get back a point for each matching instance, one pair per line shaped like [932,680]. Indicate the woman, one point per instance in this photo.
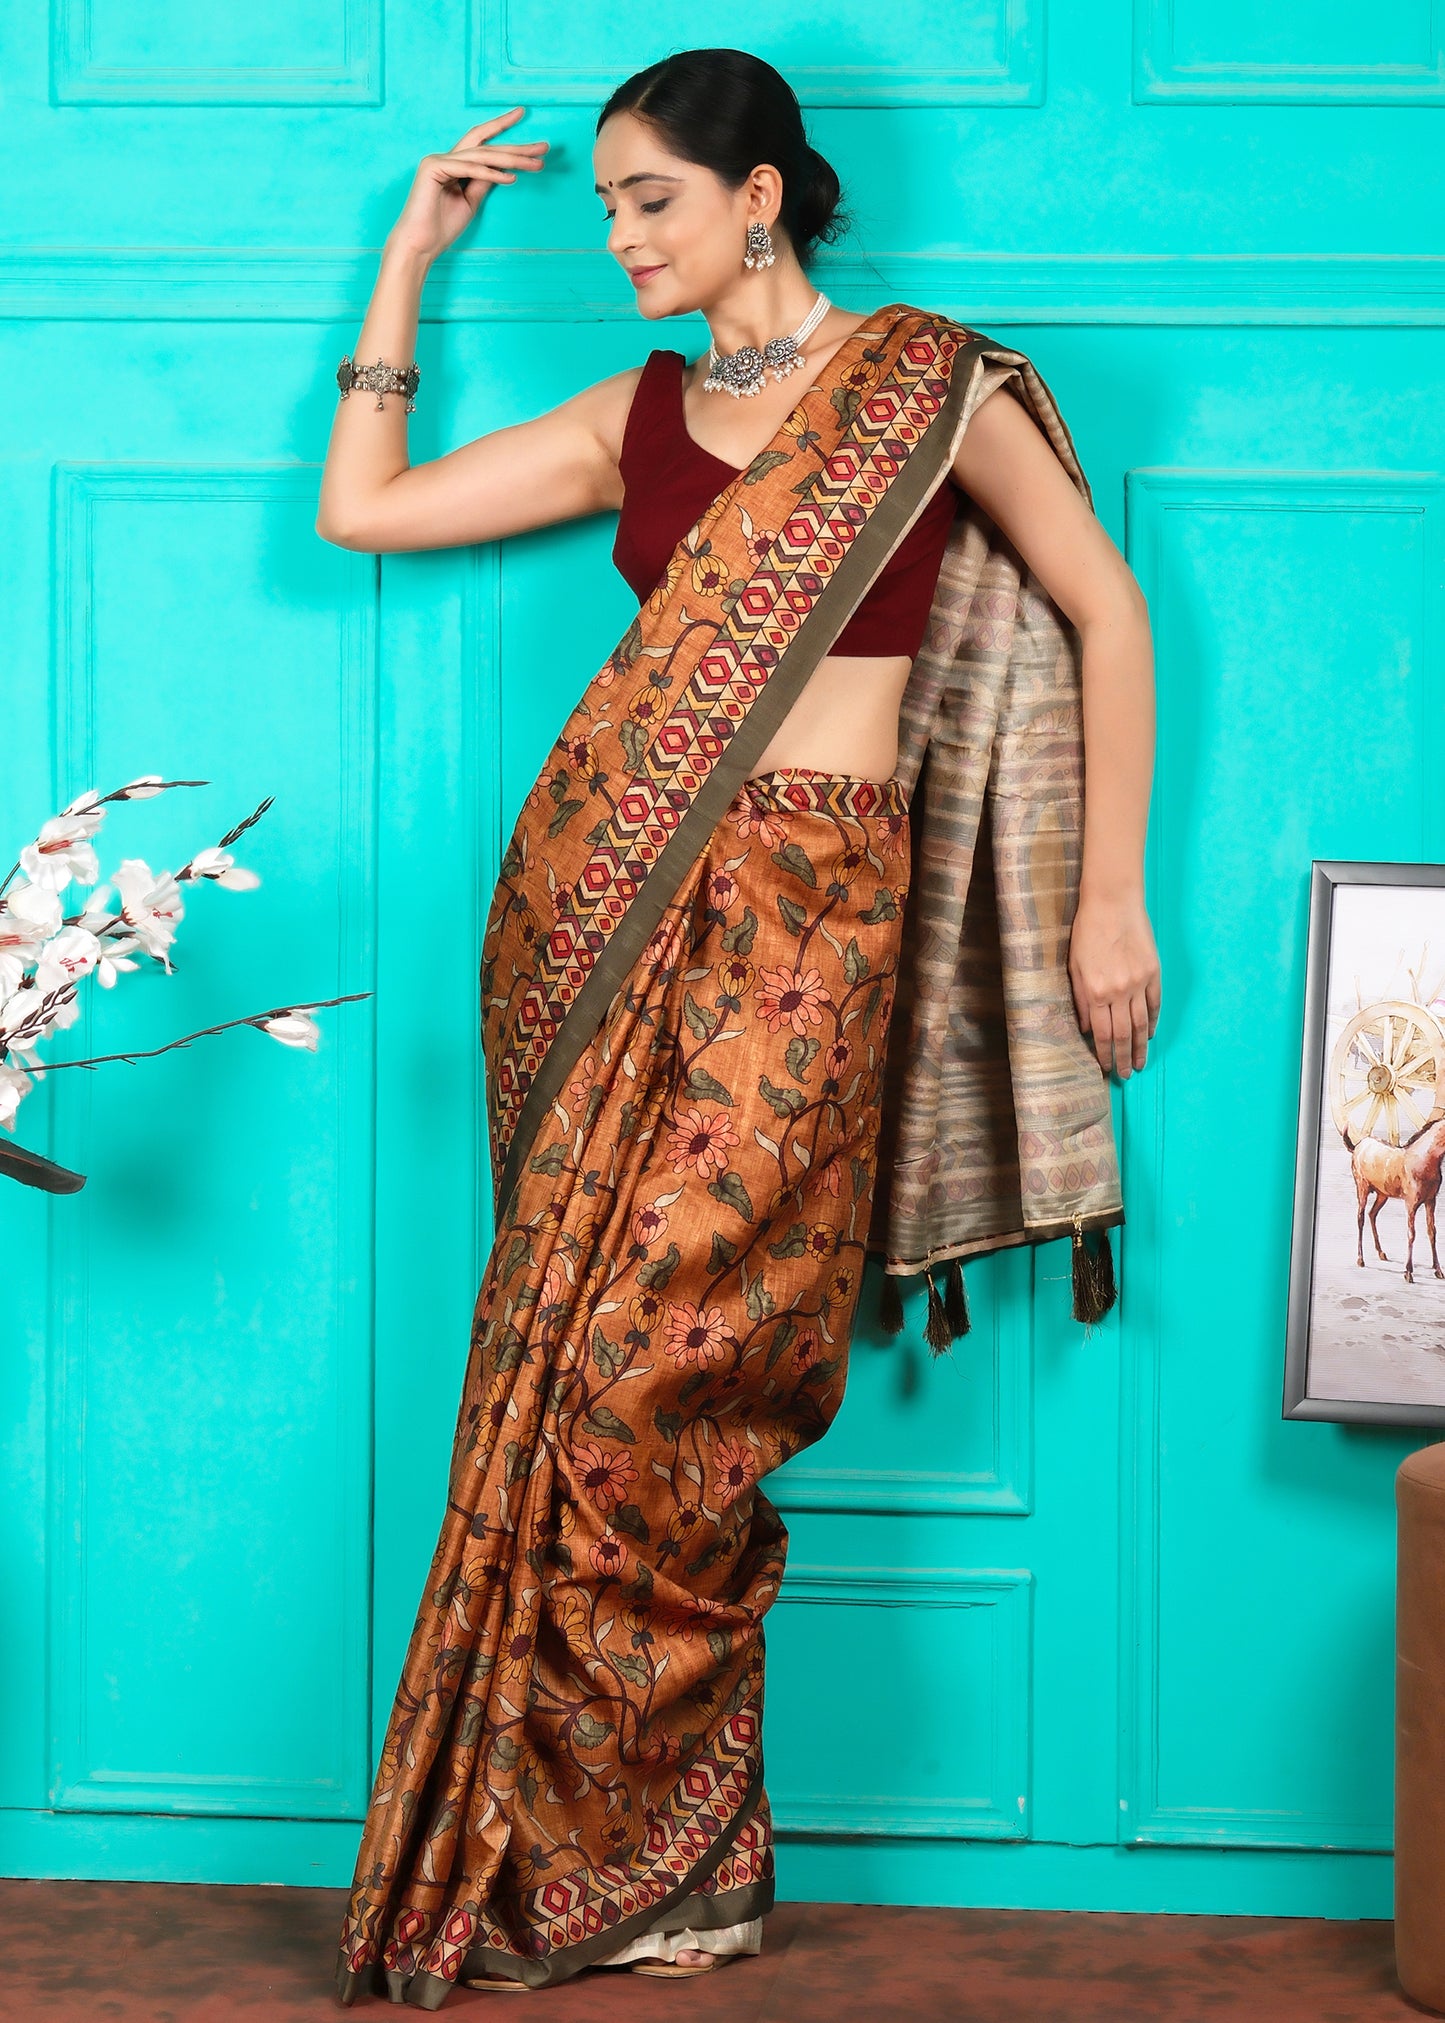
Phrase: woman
[688,977]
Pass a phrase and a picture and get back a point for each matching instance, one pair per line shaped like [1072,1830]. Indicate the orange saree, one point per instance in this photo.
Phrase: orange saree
[687,981]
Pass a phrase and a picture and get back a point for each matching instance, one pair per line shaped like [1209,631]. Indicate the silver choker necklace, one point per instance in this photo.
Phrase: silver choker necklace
[744,371]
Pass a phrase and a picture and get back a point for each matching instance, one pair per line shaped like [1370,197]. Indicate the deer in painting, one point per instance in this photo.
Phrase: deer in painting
[1408,1173]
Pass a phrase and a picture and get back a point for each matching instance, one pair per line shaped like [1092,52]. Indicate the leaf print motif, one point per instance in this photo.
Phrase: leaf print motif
[664,1321]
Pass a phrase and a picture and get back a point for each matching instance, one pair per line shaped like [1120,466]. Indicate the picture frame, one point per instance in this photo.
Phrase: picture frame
[1364,1342]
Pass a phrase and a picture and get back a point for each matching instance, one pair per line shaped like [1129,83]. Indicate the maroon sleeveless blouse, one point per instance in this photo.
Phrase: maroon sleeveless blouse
[669,480]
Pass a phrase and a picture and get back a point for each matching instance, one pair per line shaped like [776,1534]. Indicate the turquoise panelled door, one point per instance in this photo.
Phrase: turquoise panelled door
[1065,1616]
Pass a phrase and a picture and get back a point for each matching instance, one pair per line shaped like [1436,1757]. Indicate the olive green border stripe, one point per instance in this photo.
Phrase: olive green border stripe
[433,1990]
[886,526]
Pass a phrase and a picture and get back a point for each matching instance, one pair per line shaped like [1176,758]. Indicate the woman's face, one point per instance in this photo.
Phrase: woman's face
[675,227]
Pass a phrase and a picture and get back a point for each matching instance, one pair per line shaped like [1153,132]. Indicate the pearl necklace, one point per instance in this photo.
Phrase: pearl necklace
[743,371]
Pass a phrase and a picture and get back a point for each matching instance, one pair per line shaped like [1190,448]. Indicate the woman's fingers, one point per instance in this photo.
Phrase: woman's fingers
[1142,1027]
[490,126]
[1106,1034]
[459,168]
[1122,1028]
[480,162]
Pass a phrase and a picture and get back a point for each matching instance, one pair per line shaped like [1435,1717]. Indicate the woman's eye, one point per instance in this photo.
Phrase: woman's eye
[661,205]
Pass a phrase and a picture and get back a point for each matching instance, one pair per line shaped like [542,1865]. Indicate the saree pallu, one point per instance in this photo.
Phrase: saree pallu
[688,977]
[576,1751]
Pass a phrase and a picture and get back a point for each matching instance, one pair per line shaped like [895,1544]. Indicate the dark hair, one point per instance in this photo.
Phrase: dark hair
[728,111]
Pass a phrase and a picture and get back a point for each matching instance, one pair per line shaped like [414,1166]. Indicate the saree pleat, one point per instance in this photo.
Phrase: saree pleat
[574,1757]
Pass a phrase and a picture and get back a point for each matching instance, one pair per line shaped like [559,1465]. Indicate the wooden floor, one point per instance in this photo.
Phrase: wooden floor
[76,1952]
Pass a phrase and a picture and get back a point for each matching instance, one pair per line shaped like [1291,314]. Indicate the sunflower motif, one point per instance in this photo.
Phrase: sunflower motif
[699,1335]
[649,1224]
[607,1553]
[805,1354]
[665,948]
[839,1289]
[581,1087]
[892,834]
[857,378]
[649,709]
[549,1219]
[515,1654]
[581,755]
[684,1522]
[735,1469]
[646,1311]
[766,824]
[721,890]
[848,863]
[605,1473]
[821,1241]
[733,977]
[700,1143]
[709,575]
[658,597]
[792,997]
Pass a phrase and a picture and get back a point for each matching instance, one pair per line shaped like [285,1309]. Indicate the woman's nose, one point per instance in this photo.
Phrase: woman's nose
[622,237]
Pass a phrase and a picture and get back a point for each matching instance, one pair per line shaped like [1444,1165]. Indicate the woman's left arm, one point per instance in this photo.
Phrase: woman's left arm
[1009,467]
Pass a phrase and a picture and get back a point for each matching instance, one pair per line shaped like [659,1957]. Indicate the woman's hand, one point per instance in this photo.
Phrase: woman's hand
[1114,972]
[450,189]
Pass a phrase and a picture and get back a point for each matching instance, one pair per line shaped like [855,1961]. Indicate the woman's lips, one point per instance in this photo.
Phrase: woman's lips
[641,274]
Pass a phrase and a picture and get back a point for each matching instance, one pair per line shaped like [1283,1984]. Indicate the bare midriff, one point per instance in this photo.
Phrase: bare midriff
[846,719]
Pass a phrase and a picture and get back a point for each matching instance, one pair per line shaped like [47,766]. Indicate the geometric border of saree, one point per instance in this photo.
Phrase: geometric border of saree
[740,642]
[598,1911]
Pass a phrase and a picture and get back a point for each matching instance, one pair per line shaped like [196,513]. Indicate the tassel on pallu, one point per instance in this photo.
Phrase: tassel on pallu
[948,1317]
[1095,1291]
[1094,1288]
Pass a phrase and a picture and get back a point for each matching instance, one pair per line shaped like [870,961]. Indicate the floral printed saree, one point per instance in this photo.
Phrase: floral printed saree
[687,980]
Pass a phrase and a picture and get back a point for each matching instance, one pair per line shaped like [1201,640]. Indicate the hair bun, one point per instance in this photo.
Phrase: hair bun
[819,212]
[729,110]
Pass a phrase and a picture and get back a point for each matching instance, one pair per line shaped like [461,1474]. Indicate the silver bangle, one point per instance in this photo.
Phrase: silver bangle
[379,379]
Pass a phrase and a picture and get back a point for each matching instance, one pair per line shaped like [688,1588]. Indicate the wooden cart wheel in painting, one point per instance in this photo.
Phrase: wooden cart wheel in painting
[1387,1071]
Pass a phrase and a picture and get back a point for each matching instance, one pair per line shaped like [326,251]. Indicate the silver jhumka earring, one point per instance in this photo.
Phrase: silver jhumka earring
[744,371]
[759,252]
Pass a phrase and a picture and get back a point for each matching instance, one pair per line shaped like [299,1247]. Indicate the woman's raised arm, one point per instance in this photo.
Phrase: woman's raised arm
[556,467]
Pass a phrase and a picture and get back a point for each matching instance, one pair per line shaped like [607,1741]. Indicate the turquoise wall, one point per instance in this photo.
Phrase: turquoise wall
[1066,1618]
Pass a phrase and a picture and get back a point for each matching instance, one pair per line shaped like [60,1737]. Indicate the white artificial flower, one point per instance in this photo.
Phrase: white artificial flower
[221,866]
[294,1028]
[97,911]
[151,905]
[114,957]
[14,1084]
[29,914]
[142,788]
[61,852]
[86,810]
[74,952]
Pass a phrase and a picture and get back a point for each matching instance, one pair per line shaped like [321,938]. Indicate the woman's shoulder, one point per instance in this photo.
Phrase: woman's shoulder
[606,404]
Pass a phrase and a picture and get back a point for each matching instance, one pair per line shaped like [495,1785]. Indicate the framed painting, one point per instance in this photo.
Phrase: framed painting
[1366,1331]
